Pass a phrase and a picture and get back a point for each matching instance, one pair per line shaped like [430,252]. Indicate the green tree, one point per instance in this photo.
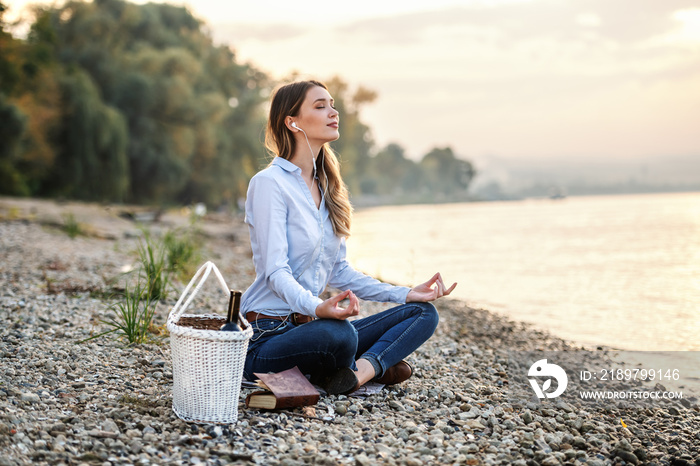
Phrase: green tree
[189,108]
[444,173]
[10,63]
[13,120]
[392,173]
[25,93]
[92,162]
[12,130]
[109,100]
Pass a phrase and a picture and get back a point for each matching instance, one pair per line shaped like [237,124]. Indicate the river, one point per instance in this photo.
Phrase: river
[621,271]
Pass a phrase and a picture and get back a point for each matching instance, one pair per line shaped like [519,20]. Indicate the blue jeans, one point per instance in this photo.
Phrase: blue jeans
[325,345]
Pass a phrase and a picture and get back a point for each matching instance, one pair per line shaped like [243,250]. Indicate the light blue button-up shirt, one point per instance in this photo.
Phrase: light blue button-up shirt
[295,250]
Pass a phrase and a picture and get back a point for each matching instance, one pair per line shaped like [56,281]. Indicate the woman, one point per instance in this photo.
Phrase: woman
[299,214]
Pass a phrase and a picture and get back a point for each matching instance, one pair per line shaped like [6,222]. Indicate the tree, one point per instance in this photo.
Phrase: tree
[109,100]
[392,173]
[13,120]
[92,162]
[11,132]
[446,174]
[10,63]
[28,109]
[150,110]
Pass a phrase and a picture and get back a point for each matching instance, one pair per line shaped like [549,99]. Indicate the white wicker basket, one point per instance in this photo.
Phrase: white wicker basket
[207,363]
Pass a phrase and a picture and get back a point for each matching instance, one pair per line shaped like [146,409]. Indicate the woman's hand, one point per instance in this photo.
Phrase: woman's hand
[329,309]
[426,292]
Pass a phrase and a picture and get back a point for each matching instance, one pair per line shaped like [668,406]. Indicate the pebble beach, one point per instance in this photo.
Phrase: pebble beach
[66,401]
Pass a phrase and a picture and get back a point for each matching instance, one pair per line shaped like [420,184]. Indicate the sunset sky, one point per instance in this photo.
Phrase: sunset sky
[511,78]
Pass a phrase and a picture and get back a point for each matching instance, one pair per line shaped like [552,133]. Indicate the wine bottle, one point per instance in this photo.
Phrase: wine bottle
[234,310]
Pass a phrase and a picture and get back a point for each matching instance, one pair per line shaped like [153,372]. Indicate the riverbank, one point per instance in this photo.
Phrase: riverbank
[102,402]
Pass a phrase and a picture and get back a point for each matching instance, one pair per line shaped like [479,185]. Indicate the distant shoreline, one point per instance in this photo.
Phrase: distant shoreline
[365,201]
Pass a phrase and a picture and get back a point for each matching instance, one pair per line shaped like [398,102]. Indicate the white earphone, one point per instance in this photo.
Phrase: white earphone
[294,125]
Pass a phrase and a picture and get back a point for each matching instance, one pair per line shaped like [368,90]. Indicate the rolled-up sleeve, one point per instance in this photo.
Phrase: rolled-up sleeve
[266,215]
[345,277]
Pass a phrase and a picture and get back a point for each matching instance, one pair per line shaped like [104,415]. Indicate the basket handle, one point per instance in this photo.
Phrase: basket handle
[204,271]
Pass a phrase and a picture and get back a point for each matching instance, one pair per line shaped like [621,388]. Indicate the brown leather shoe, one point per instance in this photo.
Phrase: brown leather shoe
[396,374]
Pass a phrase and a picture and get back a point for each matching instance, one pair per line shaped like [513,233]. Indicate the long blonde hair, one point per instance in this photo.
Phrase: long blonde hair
[279,140]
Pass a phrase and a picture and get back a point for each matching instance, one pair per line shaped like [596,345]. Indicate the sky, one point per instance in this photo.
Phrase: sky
[519,79]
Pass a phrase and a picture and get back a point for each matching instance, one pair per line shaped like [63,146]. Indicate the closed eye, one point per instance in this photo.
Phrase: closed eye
[323,105]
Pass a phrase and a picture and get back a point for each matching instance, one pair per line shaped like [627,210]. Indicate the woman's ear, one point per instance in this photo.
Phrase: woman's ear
[291,125]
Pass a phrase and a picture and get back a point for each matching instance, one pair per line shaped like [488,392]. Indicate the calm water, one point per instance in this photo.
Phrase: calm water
[622,271]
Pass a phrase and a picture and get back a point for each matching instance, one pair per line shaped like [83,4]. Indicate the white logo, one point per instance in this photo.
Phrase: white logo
[542,369]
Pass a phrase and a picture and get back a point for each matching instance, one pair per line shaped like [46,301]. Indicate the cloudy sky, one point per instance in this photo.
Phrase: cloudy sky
[511,78]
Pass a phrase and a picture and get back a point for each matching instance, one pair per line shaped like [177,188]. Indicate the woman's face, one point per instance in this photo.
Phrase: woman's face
[317,117]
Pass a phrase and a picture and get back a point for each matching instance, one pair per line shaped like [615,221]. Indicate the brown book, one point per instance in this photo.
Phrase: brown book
[286,389]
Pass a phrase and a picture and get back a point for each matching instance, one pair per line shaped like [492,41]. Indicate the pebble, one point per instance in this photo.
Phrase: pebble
[627,456]
[103,402]
[396,405]
[476,425]
[30,397]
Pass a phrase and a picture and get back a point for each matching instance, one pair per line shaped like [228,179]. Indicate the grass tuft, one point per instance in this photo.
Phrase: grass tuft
[154,267]
[183,252]
[132,319]
[71,226]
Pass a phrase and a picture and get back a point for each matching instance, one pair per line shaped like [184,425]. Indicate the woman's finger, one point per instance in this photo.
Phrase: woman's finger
[351,307]
[433,279]
[430,282]
[339,297]
[357,304]
[440,285]
[354,302]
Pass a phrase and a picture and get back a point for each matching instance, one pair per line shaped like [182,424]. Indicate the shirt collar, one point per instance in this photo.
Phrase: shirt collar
[285,164]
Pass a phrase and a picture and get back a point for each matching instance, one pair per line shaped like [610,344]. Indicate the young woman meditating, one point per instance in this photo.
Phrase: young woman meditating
[299,215]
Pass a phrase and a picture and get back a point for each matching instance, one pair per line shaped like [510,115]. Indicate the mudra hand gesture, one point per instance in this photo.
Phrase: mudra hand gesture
[330,308]
[430,290]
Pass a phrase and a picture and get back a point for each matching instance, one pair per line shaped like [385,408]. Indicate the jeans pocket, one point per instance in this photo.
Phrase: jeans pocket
[268,327]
